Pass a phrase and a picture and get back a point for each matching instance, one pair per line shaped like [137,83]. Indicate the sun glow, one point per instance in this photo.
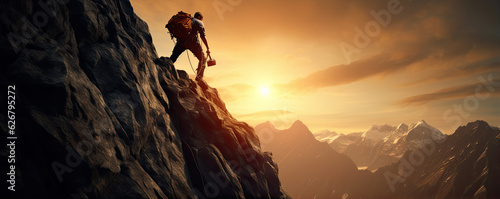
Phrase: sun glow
[265,91]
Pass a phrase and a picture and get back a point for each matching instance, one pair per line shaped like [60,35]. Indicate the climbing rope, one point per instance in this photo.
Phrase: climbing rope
[191,64]
[175,43]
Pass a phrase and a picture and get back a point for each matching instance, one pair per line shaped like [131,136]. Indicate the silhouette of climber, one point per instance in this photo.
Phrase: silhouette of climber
[192,43]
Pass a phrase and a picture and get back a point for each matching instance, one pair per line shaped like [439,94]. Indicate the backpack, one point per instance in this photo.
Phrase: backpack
[179,25]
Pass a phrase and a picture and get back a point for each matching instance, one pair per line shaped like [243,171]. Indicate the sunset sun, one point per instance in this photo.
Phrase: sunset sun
[264,91]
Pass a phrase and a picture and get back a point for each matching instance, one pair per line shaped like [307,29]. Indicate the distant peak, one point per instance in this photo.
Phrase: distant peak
[380,125]
[421,122]
[326,131]
[298,124]
[479,123]
[384,127]
[378,132]
[401,129]
[477,128]
[298,128]
[402,126]
[421,128]
[266,125]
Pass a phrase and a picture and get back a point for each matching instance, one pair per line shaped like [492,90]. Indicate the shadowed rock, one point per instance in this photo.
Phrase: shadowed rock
[99,115]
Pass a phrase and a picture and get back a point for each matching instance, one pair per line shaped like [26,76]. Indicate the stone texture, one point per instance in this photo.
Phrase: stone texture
[99,115]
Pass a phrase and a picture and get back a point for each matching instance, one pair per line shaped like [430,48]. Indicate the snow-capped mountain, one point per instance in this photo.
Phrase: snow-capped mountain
[378,132]
[421,130]
[399,132]
[464,165]
[342,141]
[326,136]
[382,145]
[337,141]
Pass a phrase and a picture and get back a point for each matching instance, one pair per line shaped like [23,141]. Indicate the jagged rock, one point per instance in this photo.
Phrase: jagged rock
[99,115]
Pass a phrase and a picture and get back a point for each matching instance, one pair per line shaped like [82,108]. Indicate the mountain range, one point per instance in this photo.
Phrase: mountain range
[464,164]
[382,145]
[309,168]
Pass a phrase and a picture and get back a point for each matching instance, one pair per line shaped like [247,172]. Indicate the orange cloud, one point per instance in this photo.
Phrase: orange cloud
[381,64]
[452,52]
[479,90]
[266,114]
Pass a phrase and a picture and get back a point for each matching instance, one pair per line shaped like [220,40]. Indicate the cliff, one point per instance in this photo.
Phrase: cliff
[99,115]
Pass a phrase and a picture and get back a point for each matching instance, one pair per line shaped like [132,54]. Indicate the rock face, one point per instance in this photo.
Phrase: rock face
[465,165]
[311,169]
[99,115]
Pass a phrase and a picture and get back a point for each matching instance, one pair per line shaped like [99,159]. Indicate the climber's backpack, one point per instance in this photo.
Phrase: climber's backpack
[179,25]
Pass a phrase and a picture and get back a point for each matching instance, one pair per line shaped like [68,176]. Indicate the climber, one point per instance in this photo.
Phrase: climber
[191,42]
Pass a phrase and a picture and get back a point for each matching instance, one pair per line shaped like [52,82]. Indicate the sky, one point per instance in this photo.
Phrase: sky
[346,65]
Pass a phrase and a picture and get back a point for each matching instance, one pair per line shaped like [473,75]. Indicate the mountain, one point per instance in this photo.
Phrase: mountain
[382,145]
[326,136]
[311,169]
[341,142]
[377,132]
[99,115]
[465,165]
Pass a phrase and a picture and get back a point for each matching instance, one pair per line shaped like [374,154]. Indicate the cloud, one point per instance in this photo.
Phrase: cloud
[382,64]
[479,90]
[266,114]
[460,68]
[441,51]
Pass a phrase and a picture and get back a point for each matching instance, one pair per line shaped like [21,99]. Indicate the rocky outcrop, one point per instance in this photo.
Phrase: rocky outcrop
[99,115]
